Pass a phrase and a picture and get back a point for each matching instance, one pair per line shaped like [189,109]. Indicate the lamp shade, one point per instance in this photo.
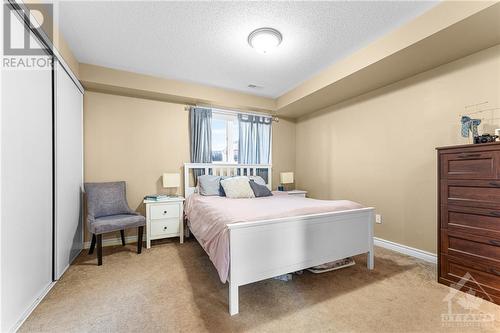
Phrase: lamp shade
[286,177]
[171,180]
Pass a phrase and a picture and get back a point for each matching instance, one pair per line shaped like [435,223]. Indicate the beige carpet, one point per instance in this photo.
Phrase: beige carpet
[174,288]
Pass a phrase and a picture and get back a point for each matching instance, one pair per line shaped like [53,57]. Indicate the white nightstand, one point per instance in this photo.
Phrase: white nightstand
[298,193]
[164,219]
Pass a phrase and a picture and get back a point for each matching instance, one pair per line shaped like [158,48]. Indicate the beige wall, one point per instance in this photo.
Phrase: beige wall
[119,82]
[136,140]
[378,148]
[283,149]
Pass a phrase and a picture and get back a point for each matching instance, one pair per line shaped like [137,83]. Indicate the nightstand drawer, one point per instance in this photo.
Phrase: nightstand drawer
[164,227]
[164,211]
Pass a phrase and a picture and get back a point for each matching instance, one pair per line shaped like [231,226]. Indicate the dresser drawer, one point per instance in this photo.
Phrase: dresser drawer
[164,211]
[481,277]
[477,221]
[469,246]
[470,165]
[472,193]
[164,227]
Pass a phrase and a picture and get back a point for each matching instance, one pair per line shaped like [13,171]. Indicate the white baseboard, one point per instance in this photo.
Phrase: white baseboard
[32,307]
[410,251]
[114,241]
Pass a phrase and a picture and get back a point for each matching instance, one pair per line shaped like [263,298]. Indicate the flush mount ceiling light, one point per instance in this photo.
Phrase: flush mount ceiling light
[264,40]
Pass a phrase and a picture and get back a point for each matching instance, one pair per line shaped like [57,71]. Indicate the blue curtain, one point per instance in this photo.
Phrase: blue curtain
[200,120]
[254,144]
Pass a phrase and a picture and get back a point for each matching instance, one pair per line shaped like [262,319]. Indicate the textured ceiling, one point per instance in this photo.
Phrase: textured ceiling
[206,42]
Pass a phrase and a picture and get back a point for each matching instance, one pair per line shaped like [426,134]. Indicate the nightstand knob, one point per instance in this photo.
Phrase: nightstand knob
[164,228]
[164,212]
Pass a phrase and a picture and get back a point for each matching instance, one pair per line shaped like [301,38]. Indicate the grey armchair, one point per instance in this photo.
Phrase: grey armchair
[108,211]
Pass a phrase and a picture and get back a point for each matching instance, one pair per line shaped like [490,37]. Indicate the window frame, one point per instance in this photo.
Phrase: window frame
[220,115]
[230,115]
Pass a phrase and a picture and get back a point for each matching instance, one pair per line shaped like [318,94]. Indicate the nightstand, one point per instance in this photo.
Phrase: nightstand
[298,193]
[164,219]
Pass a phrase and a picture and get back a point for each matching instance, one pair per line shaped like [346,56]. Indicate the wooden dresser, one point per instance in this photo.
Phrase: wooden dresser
[469,217]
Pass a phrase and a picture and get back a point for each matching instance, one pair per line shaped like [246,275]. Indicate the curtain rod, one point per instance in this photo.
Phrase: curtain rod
[219,110]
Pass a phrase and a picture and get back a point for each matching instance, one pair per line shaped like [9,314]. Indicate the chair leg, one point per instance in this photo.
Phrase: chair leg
[92,244]
[122,233]
[140,230]
[99,250]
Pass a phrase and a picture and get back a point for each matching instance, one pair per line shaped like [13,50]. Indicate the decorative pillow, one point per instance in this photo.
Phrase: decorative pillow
[237,187]
[258,179]
[208,185]
[105,199]
[259,190]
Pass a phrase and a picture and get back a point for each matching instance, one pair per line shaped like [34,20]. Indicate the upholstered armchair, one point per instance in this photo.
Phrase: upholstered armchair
[108,211]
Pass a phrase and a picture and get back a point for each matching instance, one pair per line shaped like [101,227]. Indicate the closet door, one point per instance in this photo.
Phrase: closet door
[69,171]
[26,190]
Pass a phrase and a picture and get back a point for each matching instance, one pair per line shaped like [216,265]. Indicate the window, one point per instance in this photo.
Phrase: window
[225,135]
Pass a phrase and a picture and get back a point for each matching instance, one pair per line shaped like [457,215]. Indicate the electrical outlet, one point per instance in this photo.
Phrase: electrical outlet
[378,218]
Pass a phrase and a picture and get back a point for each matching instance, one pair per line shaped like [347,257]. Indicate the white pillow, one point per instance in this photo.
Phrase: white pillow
[237,187]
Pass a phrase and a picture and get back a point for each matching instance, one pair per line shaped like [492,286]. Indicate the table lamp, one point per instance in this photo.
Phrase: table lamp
[285,178]
[171,180]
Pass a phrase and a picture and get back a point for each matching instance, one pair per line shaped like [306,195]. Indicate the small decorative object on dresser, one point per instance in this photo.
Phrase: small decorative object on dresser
[485,138]
[285,178]
[164,219]
[469,218]
[298,193]
[469,126]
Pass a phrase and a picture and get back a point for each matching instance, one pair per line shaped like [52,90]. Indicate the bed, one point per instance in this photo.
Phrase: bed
[250,240]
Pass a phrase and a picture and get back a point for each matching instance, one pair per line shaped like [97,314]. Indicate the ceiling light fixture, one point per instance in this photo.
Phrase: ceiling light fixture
[264,40]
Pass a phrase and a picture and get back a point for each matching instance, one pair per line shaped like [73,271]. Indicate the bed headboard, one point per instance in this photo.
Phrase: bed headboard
[223,170]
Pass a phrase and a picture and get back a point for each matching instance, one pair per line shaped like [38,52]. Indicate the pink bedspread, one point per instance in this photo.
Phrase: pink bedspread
[208,217]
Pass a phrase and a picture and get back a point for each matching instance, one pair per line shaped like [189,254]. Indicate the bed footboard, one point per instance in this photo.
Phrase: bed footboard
[264,249]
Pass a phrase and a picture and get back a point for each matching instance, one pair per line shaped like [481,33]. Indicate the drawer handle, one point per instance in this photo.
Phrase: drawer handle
[495,271]
[164,212]
[468,155]
[164,228]
[496,184]
[495,242]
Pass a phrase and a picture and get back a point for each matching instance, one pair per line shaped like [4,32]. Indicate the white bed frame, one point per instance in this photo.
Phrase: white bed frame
[260,250]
